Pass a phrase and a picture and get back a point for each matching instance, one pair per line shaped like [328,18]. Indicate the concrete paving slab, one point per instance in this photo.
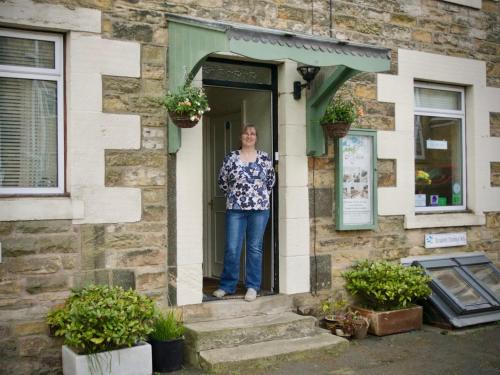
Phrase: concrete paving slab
[431,351]
[250,321]
[252,355]
[247,330]
[227,309]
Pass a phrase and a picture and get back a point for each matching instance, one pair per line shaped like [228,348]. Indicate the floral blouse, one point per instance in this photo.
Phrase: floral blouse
[247,186]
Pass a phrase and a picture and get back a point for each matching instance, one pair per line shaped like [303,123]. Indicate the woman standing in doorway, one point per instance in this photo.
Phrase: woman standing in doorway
[246,178]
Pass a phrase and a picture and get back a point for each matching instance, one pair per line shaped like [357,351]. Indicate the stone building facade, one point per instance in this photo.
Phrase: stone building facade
[129,212]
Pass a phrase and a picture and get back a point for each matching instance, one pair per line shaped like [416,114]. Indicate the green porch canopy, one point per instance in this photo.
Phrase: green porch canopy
[192,40]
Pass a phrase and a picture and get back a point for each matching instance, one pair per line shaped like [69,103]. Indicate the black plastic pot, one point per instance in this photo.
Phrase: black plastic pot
[167,355]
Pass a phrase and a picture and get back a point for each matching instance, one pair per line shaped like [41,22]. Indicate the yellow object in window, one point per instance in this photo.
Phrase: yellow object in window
[422,177]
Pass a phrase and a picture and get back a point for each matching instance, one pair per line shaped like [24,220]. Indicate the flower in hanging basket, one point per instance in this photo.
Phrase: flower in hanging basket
[186,106]
[343,110]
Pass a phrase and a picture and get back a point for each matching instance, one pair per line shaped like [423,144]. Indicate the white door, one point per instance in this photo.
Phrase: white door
[224,137]
[231,108]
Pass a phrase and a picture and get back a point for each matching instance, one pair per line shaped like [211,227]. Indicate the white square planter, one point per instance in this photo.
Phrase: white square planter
[136,360]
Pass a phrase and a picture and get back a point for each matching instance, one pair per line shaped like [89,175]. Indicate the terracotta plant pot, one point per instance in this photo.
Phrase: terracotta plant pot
[336,129]
[361,328]
[182,120]
[384,323]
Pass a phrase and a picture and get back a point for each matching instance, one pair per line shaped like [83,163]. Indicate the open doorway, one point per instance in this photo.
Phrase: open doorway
[234,103]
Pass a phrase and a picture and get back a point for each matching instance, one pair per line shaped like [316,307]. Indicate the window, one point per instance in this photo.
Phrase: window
[440,183]
[465,289]
[31,113]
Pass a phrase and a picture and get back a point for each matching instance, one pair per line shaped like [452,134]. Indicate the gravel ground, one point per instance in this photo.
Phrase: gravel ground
[431,351]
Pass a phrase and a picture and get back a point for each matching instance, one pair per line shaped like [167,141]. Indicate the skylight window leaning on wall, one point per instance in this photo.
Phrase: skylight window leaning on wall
[465,290]
[31,113]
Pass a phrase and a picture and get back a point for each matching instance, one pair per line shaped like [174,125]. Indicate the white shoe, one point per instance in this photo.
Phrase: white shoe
[251,295]
[219,293]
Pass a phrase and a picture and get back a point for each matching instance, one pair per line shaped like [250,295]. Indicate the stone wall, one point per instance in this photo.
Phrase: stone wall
[430,26]
[43,259]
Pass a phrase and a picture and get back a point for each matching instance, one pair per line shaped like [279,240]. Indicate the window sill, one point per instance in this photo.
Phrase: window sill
[11,196]
[437,220]
[40,208]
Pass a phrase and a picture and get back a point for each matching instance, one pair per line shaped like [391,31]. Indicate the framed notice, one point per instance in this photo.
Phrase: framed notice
[356,181]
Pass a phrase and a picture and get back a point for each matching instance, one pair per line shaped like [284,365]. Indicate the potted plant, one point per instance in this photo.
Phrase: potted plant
[388,291]
[103,329]
[340,113]
[341,320]
[334,311]
[186,106]
[167,342]
[355,324]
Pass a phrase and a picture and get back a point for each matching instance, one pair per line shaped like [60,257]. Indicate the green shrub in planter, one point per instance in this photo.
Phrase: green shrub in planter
[386,286]
[100,318]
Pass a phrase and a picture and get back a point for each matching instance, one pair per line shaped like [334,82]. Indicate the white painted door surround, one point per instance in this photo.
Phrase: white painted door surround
[293,198]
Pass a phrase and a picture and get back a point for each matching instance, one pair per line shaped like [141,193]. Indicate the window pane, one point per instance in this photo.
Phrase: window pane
[457,286]
[27,52]
[236,73]
[438,162]
[488,276]
[28,133]
[439,99]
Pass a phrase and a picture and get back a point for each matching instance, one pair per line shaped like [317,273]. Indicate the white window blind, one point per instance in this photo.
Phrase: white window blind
[27,52]
[31,126]
[439,99]
[28,133]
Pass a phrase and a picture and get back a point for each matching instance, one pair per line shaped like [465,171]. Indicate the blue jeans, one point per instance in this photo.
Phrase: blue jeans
[239,222]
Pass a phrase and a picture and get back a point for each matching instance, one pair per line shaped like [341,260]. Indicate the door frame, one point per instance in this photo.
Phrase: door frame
[273,88]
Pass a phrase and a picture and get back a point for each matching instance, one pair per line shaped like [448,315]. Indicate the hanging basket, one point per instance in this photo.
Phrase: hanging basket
[336,129]
[182,120]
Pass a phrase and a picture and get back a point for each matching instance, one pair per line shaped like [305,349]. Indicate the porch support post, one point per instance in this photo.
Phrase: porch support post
[189,46]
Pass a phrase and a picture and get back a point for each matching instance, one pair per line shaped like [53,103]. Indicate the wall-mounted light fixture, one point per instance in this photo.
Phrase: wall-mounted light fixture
[308,72]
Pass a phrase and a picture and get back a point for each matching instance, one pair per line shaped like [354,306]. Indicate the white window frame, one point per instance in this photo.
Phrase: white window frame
[458,114]
[47,74]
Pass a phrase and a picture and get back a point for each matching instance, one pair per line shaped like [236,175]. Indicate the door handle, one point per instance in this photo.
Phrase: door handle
[211,202]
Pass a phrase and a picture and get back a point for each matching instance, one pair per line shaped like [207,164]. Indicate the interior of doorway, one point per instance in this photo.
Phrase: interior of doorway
[231,108]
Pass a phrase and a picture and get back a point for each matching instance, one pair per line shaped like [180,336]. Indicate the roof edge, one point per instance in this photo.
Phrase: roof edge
[261,34]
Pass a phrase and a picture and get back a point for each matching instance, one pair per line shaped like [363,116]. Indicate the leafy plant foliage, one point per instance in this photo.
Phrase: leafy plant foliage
[188,100]
[100,318]
[387,286]
[344,107]
[167,327]
[333,306]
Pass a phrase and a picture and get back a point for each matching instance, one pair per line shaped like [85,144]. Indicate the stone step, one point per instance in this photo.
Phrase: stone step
[259,355]
[247,330]
[234,308]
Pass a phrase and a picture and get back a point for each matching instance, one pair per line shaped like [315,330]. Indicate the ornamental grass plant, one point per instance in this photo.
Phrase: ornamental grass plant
[382,285]
[167,327]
